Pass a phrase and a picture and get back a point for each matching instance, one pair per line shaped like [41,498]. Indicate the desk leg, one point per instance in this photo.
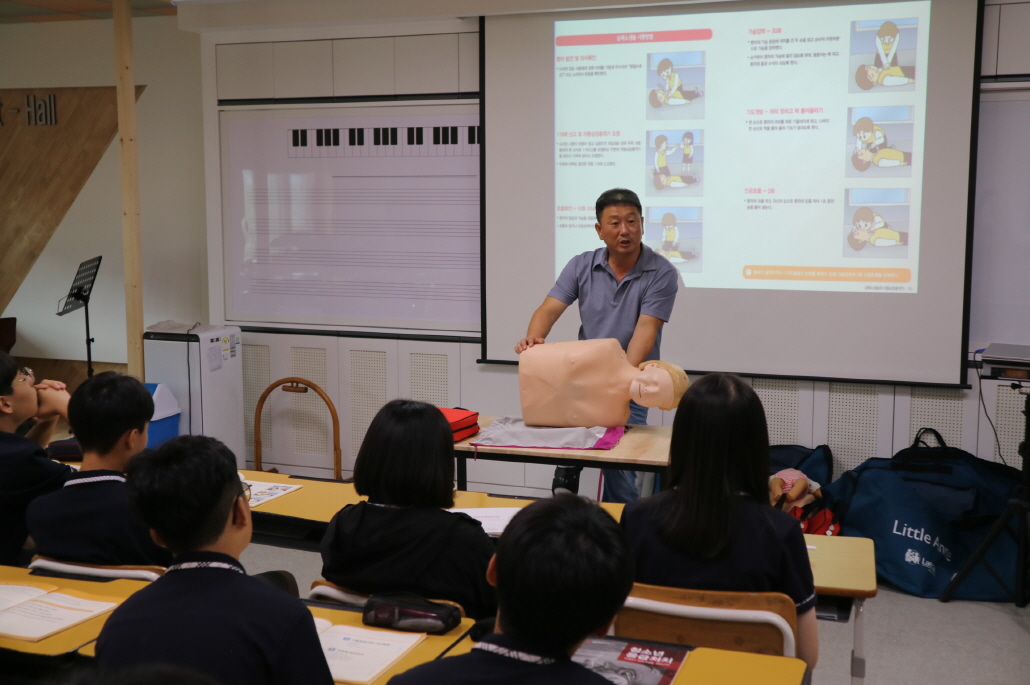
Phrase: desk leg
[462,473]
[858,645]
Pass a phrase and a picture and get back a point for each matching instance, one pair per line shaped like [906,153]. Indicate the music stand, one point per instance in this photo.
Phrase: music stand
[78,298]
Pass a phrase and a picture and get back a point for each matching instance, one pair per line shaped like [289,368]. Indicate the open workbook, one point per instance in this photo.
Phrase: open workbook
[359,655]
[33,611]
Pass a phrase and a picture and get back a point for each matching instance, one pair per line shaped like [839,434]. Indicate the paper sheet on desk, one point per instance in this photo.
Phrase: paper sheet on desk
[360,655]
[494,520]
[265,492]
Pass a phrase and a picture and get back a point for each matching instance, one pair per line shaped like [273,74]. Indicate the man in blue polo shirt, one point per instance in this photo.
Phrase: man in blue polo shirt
[626,292]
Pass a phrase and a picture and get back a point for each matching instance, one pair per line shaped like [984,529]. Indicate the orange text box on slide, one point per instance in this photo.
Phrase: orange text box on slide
[826,273]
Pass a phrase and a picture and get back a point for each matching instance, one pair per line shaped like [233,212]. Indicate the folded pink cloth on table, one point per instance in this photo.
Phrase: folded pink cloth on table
[511,431]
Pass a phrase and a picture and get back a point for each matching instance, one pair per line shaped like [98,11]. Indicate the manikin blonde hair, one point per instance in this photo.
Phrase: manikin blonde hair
[680,382]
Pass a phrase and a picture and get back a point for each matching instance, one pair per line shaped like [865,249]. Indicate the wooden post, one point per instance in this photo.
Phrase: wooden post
[131,243]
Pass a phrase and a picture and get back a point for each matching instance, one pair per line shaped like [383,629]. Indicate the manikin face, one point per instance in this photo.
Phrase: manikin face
[620,229]
[652,387]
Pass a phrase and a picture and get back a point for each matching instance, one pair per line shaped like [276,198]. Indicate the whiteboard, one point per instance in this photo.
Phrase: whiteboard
[1000,309]
[353,216]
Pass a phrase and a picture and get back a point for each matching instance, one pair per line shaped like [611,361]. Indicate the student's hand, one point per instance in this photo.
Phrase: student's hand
[53,402]
[524,344]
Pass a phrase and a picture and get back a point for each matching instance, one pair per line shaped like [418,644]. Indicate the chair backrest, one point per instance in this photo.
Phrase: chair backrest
[762,622]
[99,571]
[327,591]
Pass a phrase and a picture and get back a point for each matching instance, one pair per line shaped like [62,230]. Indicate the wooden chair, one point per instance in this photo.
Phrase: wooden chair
[761,622]
[299,385]
[150,573]
[325,590]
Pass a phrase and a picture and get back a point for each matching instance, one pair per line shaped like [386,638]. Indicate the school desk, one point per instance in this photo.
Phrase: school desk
[642,448]
[429,649]
[846,567]
[705,665]
[300,518]
[67,641]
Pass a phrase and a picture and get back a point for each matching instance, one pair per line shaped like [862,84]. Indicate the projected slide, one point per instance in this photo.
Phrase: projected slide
[778,149]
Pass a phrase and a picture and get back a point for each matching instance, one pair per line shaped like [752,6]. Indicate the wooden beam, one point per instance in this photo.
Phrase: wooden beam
[131,243]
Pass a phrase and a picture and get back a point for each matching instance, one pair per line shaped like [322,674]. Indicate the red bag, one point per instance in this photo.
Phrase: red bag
[816,519]
[464,423]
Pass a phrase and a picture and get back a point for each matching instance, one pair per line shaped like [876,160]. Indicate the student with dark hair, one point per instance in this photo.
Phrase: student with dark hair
[206,613]
[713,529]
[89,520]
[26,472]
[562,570]
[401,539]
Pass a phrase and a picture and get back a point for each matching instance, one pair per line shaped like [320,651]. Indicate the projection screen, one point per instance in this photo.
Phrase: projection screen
[804,166]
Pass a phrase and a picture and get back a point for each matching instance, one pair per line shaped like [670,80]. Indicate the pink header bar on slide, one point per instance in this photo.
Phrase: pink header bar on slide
[636,37]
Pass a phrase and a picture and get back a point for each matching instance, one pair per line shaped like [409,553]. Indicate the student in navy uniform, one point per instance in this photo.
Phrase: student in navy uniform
[713,529]
[26,472]
[89,520]
[401,539]
[562,570]
[206,613]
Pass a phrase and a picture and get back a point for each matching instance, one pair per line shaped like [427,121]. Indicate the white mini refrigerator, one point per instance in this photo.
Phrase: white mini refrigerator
[203,367]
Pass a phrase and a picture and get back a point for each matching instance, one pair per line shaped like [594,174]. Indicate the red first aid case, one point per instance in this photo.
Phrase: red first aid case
[463,422]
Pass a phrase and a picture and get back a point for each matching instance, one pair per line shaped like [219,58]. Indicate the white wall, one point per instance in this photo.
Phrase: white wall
[171,173]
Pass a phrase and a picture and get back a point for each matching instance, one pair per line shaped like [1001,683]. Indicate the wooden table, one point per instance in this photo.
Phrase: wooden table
[429,649]
[642,448]
[303,515]
[67,641]
[705,665]
[846,567]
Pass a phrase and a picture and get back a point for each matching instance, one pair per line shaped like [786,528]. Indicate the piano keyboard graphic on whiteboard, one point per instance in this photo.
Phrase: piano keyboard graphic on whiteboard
[386,141]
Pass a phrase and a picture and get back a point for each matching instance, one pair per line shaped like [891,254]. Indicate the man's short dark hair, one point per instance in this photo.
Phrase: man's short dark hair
[8,372]
[564,568]
[184,490]
[616,196]
[105,407]
[407,457]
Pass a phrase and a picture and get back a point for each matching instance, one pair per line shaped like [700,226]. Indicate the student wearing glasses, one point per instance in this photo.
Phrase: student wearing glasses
[206,613]
[26,472]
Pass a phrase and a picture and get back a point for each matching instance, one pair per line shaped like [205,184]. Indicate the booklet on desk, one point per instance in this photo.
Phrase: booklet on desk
[360,655]
[632,661]
[33,611]
[494,520]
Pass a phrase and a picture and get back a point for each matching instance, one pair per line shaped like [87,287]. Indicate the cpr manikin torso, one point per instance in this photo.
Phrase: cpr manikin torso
[589,383]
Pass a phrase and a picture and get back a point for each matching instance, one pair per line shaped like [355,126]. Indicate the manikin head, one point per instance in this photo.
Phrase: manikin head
[658,384]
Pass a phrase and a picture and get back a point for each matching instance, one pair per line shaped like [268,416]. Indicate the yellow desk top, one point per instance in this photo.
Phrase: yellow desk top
[75,637]
[842,566]
[320,500]
[705,665]
[641,445]
[427,650]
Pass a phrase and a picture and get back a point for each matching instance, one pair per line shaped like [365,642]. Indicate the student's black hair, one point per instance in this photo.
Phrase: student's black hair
[407,457]
[616,196]
[718,451]
[8,372]
[184,490]
[107,406]
[564,568]
[144,674]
